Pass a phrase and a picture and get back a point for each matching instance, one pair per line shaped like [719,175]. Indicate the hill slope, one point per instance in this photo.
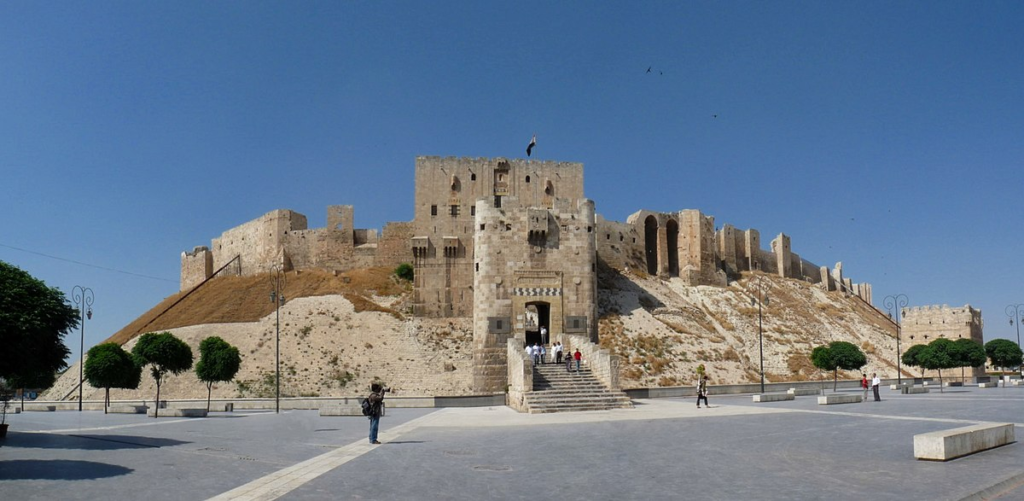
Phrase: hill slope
[341,332]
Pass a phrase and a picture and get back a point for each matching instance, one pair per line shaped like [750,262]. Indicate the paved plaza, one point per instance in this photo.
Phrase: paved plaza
[662,449]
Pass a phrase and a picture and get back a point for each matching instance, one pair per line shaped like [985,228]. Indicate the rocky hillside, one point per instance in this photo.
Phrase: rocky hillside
[340,332]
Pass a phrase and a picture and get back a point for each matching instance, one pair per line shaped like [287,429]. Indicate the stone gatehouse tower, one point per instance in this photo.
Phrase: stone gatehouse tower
[534,267]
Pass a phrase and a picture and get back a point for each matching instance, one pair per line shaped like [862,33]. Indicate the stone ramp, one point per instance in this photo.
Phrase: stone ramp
[557,390]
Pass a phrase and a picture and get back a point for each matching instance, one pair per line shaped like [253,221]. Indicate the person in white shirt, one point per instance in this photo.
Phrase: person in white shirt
[875,381]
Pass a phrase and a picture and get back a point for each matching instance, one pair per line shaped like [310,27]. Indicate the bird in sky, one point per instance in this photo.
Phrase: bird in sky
[648,69]
[529,147]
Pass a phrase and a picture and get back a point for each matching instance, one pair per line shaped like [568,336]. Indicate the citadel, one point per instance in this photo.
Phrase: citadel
[515,245]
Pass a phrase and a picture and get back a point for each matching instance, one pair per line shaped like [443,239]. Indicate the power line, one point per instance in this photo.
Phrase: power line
[87,264]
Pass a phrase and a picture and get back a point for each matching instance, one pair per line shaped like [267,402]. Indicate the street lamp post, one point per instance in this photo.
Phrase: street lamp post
[759,288]
[1014,311]
[83,298]
[277,282]
[897,302]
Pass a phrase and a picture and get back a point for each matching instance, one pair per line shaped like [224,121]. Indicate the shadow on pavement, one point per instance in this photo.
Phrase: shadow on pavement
[58,469]
[86,442]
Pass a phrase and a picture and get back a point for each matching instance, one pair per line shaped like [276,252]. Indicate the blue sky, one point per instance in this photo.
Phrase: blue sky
[886,135]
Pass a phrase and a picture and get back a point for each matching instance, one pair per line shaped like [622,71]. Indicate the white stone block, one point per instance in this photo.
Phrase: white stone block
[949,444]
[773,397]
[839,398]
[178,412]
[127,409]
[803,392]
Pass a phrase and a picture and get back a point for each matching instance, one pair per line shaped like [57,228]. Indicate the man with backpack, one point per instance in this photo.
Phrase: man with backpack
[375,409]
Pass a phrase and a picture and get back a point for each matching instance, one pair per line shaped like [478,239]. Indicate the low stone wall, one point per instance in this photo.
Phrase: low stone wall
[601,362]
[740,389]
[520,376]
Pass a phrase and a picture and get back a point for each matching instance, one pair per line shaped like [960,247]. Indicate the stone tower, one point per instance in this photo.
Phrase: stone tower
[924,324]
[534,267]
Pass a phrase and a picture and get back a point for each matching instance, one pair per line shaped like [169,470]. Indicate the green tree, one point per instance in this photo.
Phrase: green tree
[218,361]
[405,271]
[968,353]
[1003,353]
[109,366]
[911,357]
[939,355]
[838,355]
[163,353]
[34,319]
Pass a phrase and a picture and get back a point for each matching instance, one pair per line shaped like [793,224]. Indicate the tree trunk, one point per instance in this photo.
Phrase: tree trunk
[941,389]
[106,400]
[209,390]
[835,380]
[156,410]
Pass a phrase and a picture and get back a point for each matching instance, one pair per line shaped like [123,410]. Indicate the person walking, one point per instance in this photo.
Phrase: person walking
[536,353]
[702,391]
[376,399]
[568,362]
[864,386]
[543,353]
[875,381]
[558,352]
[543,335]
[578,356]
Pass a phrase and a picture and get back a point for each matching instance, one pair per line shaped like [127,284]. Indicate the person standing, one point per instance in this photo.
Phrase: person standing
[558,352]
[875,381]
[376,399]
[543,353]
[864,386]
[536,353]
[568,362]
[702,391]
[543,335]
[577,356]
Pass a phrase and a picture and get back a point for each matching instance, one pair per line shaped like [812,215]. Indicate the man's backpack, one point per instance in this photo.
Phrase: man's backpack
[367,408]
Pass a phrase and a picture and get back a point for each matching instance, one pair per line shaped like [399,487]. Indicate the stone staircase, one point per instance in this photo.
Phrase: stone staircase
[556,390]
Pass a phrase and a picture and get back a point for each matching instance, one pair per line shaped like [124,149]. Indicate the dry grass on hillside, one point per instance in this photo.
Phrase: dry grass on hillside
[247,299]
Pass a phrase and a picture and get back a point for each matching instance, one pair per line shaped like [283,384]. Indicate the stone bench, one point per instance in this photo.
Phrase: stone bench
[803,392]
[178,412]
[949,444]
[839,398]
[127,409]
[988,385]
[774,397]
[40,408]
[225,407]
[911,390]
[341,410]
[954,383]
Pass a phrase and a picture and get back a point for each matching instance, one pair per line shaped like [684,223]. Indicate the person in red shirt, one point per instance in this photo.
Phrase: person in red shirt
[577,356]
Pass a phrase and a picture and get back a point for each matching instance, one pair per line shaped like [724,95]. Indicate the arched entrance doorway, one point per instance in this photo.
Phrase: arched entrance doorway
[538,314]
[651,244]
[672,235]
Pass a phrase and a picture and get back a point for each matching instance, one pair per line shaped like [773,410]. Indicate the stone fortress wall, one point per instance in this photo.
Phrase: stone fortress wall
[439,241]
